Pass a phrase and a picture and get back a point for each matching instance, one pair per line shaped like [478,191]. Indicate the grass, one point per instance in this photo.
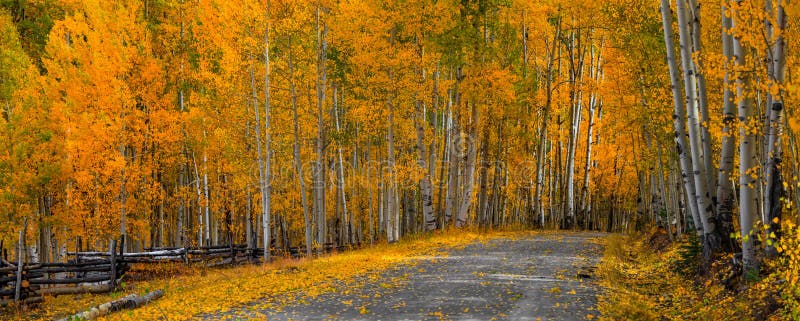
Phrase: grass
[194,291]
[647,282]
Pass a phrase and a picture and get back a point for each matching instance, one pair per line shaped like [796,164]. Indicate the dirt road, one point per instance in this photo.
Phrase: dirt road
[534,277]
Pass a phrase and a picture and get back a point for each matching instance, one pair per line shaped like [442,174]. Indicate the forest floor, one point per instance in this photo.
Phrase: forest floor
[645,276]
[527,277]
[449,275]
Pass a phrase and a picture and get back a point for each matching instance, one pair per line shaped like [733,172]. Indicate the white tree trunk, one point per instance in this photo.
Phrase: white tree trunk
[319,167]
[207,199]
[259,148]
[298,165]
[183,170]
[593,102]
[391,203]
[122,195]
[747,160]
[469,170]
[702,100]
[769,60]
[542,148]
[702,197]
[248,225]
[678,117]
[266,220]
[577,55]
[200,224]
[454,159]
[774,190]
[369,191]
[425,180]
[340,173]
[182,208]
[397,220]
[725,201]
[381,202]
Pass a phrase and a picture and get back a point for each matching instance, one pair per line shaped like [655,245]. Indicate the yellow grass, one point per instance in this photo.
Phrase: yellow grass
[199,291]
[642,284]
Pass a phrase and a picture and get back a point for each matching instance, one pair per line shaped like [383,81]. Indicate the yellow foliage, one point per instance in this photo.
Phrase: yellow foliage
[271,286]
[642,284]
[787,270]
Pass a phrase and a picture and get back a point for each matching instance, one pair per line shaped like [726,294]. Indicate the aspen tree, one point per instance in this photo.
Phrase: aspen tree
[725,200]
[678,116]
[419,122]
[540,158]
[298,165]
[775,187]
[319,167]
[266,220]
[704,206]
[747,154]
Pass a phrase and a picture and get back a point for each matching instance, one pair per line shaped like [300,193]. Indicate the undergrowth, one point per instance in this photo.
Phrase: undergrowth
[647,282]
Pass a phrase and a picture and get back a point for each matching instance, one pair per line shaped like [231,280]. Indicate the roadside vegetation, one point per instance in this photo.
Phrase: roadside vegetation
[191,291]
[647,277]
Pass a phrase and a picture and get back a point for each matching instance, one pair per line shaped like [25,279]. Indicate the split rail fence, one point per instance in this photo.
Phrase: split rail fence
[97,272]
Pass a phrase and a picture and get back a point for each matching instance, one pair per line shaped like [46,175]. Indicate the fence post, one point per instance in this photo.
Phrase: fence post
[113,252]
[121,245]
[18,284]
[233,254]
[78,247]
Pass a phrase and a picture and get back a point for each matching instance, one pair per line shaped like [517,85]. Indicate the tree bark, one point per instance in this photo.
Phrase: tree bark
[319,167]
[267,213]
[346,227]
[596,72]
[775,188]
[298,165]
[259,149]
[704,206]
[369,190]
[481,213]
[538,203]
[725,201]
[577,57]
[469,169]
[702,100]
[207,199]
[128,302]
[199,202]
[747,159]
[391,203]
[454,157]
[678,117]
[445,144]
[425,180]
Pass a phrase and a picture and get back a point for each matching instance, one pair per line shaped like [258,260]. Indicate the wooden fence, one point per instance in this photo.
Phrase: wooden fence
[27,282]
[97,272]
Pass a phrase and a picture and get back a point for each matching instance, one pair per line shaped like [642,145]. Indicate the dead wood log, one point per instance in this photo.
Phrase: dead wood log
[129,302]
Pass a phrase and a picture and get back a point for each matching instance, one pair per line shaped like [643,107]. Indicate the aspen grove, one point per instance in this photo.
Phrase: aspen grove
[279,124]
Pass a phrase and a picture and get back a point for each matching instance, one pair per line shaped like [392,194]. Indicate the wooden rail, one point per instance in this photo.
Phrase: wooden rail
[96,271]
[25,283]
